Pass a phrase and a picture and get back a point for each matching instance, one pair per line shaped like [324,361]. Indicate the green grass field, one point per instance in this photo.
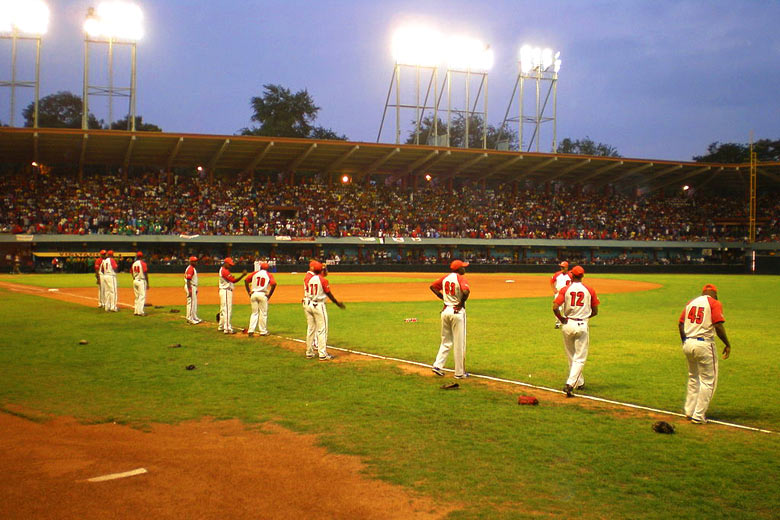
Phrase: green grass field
[474,447]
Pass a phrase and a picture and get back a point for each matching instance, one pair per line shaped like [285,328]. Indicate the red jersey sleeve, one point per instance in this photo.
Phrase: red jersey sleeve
[145,267]
[97,264]
[227,275]
[249,277]
[189,273]
[682,315]
[271,280]
[464,285]
[716,308]
[594,300]
[560,296]
[114,265]
[552,280]
[438,284]
[325,284]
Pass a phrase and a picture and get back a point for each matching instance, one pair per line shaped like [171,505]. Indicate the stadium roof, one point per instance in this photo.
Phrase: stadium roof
[77,148]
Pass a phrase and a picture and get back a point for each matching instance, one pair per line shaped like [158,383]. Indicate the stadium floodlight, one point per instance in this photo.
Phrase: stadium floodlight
[29,17]
[416,45]
[345,179]
[466,53]
[115,20]
[539,59]
[428,177]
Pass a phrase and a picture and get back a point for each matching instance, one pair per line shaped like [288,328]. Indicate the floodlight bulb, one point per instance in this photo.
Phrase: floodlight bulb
[25,16]
[546,59]
[115,19]
[428,177]
[466,53]
[345,179]
[34,164]
[200,168]
[686,187]
[417,46]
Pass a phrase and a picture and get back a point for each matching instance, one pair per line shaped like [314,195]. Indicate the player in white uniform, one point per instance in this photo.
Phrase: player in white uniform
[701,319]
[226,281]
[558,281]
[260,286]
[140,274]
[453,290]
[99,278]
[191,289]
[579,303]
[108,269]
[315,289]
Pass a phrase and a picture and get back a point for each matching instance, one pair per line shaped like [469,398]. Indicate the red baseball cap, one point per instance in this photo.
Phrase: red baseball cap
[102,251]
[312,263]
[110,252]
[264,265]
[315,266]
[139,254]
[709,287]
[193,259]
[457,264]
[577,271]
[229,261]
[564,264]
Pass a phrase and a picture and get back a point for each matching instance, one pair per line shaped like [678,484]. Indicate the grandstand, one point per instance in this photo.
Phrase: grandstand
[401,205]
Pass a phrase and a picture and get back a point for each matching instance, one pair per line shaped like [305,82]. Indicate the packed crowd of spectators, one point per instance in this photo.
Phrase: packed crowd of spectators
[192,206]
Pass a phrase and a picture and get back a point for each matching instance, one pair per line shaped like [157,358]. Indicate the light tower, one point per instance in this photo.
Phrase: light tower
[541,67]
[112,23]
[25,20]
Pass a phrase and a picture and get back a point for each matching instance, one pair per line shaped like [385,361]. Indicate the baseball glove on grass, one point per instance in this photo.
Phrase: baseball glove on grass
[527,399]
[663,427]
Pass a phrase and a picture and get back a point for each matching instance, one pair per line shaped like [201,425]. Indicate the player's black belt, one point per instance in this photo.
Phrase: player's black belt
[698,339]
[576,319]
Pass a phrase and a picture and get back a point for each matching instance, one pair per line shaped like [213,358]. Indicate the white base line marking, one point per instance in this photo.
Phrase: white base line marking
[27,289]
[114,476]
[544,388]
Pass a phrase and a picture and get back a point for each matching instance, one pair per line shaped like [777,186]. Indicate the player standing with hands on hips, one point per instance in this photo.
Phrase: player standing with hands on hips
[140,274]
[701,319]
[108,269]
[191,289]
[260,286]
[315,289]
[226,281]
[579,303]
[453,290]
[99,278]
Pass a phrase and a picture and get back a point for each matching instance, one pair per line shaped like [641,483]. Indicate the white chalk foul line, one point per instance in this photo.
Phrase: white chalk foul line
[114,476]
[543,388]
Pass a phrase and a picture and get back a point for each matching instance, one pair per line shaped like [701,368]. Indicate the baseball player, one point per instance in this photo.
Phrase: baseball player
[453,290]
[140,274]
[701,319]
[99,278]
[226,281]
[315,288]
[108,269]
[260,286]
[579,303]
[191,290]
[558,281]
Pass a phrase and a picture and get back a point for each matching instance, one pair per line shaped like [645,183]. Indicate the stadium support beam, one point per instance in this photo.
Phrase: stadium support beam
[600,171]
[338,162]
[35,146]
[688,175]
[298,160]
[534,169]
[259,157]
[174,153]
[464,166]
[433,161]
[501,167]
[373,167]
[128,155]
[421,161]
[568,169]
[82,156]
[213,162]
[623,175]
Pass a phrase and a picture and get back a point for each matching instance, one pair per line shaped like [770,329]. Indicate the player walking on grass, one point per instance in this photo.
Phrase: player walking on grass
[260,286]
[99,278]
[108,269]
[699,322]
[453,290]
[579,303]
[558,281]
[226,281]
[140,274]
[191,289]
[315,289]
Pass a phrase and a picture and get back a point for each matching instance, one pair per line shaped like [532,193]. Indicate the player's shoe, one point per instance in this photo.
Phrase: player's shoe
[568,390]
[463,376]
[698,421]
[327,357]
[581,387]
[437,371]
[311,356]
[250,334]
[557,324]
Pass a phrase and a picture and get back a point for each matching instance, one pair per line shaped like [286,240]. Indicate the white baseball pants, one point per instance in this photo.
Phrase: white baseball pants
[101,296]
[258,321]
[702,376]
[108,283]
[192,304]
[316,329]
[576,340]
[139,290]
[225,310]
[453,336]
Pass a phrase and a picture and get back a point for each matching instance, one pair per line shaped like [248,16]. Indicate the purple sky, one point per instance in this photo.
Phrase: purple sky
[655,79]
